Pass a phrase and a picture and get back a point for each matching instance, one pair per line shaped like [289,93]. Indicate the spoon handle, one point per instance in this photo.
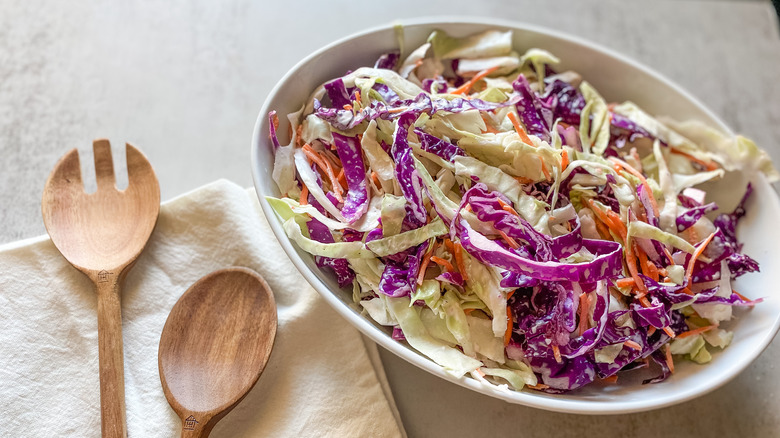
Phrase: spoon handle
[112,376]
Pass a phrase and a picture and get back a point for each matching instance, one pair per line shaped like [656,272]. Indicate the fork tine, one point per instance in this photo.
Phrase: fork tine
[69,169]
[104,164]
[138,166]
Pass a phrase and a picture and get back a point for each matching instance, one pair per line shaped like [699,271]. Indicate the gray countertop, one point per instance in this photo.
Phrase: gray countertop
[185,83]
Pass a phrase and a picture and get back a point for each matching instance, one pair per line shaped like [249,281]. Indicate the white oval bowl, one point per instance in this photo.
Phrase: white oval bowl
[618,79]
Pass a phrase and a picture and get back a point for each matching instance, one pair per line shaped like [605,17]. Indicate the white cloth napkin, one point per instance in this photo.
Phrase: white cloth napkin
[322,379]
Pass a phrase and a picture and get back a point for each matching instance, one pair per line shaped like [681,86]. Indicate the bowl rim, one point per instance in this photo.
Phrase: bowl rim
[531,399]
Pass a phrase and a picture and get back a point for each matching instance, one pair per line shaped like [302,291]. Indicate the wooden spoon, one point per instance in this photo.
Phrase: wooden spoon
[102,234]
[214,346]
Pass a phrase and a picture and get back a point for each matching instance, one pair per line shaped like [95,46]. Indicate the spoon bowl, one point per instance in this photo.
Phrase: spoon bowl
[214,346]
[107,229]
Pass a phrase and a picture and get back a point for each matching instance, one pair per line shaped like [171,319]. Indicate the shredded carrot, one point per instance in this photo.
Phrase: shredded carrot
[342,182]
[538,386]
[375,178]
[603,231]
[298,135]
[687,290]
[643,300]
[520,131]
[443,263]
[546,171]
[650,331]
[631,263]
[744,298]
[334,160]
[652,269]
[643,261]
[669,256]
[397,109]
[696,254]
[466,87]
[342,179]
[510,241]
[507,207]
[424,265]
[304,199]
[509,323]
[641,177]
[616,225]
[348,107]
[423,268]
[584,311]
[489,126]
[669,360]
[557,353]
[610,219]
[523,180]
[697,331]
[662,272]
[648,267]
[459,260]
[633,345]
[611,379]
[324,165]
[668,330]
[564,160]
[600,215]
[709,165]
[318,159]
[357,97]
[509,295]
[468,207]
[625,282]
[275,121]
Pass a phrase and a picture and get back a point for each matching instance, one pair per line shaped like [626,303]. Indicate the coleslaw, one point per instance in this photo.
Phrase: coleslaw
[511,224]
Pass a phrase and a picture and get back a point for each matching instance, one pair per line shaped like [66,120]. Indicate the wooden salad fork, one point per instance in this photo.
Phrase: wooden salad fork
[101,234]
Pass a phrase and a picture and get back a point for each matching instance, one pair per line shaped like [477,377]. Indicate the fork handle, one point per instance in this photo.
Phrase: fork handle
[112,376]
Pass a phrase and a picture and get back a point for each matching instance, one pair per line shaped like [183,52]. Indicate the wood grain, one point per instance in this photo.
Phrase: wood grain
[214,346]
[102,234]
